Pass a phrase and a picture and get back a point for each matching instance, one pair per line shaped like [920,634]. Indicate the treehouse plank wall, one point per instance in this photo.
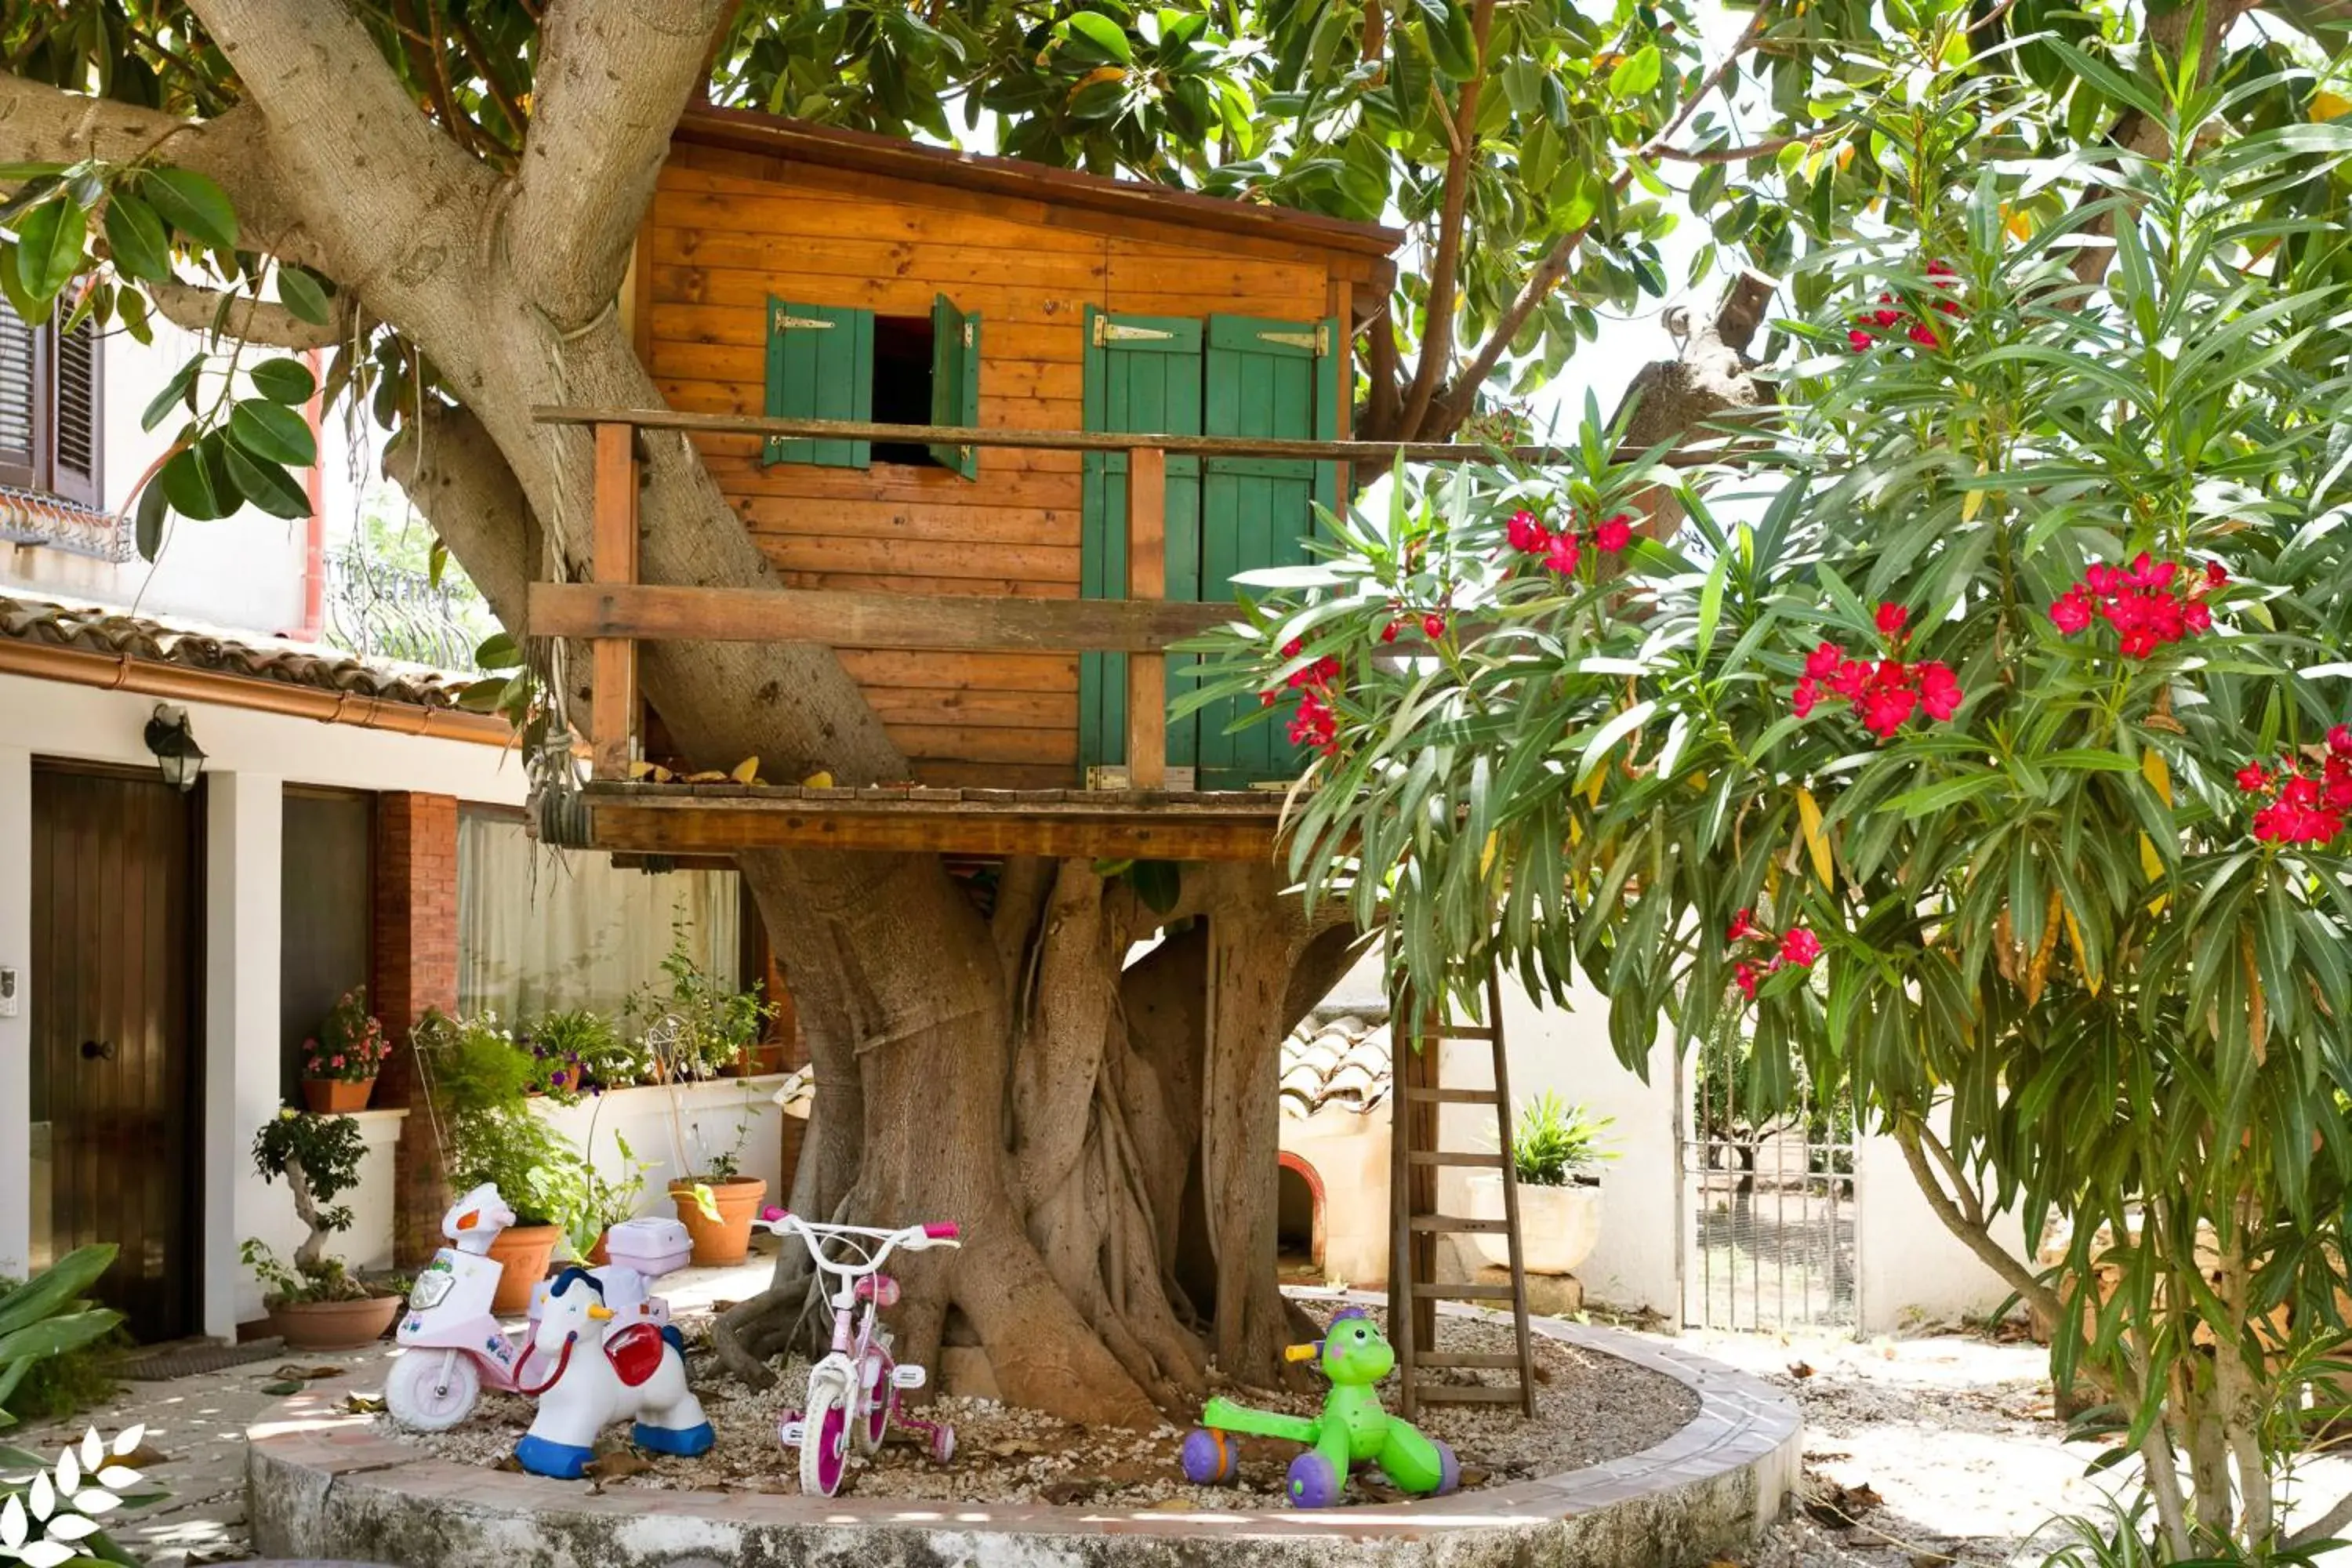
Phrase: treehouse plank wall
[877,254]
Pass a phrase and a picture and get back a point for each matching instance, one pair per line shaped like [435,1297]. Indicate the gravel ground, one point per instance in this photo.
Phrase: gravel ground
[1588,1408]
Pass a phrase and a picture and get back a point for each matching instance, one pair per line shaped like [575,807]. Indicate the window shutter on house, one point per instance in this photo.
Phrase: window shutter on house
[1278,380]
[19,395]
[820,366]
[1142,374]
[78,471]
[955,381]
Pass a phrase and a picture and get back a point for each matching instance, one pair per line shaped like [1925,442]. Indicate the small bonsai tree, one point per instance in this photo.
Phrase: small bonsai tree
[318,1158]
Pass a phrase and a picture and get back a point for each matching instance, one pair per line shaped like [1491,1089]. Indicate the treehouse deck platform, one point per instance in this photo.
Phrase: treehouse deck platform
[681,819]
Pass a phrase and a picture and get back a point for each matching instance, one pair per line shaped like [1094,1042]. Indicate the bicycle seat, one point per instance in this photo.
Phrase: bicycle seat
[878,1289]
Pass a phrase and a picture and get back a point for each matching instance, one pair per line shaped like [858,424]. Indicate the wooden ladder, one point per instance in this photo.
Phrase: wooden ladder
[1415,1157]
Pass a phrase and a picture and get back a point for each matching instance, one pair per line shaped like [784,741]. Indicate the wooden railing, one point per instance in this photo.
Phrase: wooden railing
[614,611]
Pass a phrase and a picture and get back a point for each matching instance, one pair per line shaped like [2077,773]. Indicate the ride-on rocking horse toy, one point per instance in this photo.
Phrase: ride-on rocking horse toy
[607,1366]
[1352,1430]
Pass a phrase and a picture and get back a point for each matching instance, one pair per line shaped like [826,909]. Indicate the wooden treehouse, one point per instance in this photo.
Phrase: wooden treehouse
[1007,433]
[1002,566]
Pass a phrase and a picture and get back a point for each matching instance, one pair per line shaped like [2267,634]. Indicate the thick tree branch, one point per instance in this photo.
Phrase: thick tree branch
[44,124]
[612,82]
[1909,1133]
[2326,1525]
[451,469]
[338,121]
[249,320]
[1445,268]
[1461,396]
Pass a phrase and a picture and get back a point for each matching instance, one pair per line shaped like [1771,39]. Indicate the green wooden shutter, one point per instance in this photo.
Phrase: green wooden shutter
[1280,380]
[955,381]
[820,366]
[1143,375]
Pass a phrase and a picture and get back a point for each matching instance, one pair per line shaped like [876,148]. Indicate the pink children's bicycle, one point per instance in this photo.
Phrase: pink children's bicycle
[853,1392]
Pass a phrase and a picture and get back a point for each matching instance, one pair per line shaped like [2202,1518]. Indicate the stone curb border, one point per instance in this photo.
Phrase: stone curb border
[323,1483]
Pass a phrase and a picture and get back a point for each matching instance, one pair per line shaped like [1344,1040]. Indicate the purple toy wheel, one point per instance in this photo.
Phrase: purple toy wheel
[1209,1457]
[1314,1483]
[1449,1470]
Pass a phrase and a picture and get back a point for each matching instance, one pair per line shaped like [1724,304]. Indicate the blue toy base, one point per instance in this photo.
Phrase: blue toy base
[562,1461]
[686,1443]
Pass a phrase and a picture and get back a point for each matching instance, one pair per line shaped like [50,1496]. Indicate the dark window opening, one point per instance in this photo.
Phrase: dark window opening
[903,359]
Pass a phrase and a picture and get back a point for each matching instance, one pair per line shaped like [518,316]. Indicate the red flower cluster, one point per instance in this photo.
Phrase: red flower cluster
[2150,603]
[1316,724]
[1887,319]
[1433,624]
[2304,808]
[1798,946]
[1884,692]
[1561,552]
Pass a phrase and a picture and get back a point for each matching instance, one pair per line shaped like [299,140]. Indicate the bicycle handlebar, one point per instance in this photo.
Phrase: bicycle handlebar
[911,1239]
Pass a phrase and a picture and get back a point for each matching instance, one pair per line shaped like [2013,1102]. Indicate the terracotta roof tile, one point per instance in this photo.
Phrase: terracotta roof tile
[1336,1060]
[116,633]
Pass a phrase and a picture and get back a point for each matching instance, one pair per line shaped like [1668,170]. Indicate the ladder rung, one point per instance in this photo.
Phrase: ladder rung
[1461,1290]
[1458,1225]
[1442,1361]
[1449,1096]
[1453,1157]
[1465,1394]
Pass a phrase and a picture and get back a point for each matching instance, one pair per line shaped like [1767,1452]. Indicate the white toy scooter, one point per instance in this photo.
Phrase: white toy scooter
[453,1345]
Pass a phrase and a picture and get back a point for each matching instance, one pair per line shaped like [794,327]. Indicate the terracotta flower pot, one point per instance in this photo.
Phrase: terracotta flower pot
[597,1256]
[737,1198]
[337,1097]
[524,1250]
[334,1325]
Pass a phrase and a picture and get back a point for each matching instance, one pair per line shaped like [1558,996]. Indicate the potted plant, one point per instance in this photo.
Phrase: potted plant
[585,1053]
[718,1203]
[316,1302]
[339,1068]
[694,1027]
[1556,1153]
[606,1201]
[481,1081]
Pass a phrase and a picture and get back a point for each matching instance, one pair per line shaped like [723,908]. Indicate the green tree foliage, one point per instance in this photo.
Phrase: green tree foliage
[1997,769]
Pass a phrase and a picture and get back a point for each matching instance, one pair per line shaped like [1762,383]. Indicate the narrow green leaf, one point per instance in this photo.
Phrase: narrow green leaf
[175,391]
[301,292]
[265,483]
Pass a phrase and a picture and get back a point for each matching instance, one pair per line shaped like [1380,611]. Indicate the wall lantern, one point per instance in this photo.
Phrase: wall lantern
[175,745]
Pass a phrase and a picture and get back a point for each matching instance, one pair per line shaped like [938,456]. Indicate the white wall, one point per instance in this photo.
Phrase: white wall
[677,1129]
[1349,1153]
[1567,1051]
[368,1243]
[250,758]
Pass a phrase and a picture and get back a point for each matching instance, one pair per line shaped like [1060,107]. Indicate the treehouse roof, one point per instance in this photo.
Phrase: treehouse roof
[1061,190]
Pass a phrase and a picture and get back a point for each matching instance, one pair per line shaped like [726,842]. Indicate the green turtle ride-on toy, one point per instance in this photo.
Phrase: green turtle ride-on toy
[1352,1430]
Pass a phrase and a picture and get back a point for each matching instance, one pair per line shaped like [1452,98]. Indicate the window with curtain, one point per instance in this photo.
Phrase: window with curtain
[541,930]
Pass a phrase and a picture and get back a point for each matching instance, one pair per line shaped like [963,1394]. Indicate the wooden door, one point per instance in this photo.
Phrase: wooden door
[113,1005]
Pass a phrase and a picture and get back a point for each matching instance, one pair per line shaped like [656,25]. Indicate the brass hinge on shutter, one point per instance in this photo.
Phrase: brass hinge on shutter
[1109,332]
[786,323]
[970,334]
[1317,342]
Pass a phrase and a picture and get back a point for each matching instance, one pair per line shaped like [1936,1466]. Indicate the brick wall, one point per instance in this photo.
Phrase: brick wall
[415,971]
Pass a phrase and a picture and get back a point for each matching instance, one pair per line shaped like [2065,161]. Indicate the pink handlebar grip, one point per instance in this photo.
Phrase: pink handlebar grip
[772,1213]
[943,1231]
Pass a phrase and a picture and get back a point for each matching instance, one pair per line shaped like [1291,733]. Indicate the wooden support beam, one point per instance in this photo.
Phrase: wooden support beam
[868,620]
[1378,453]
[613,709]
[1147,581]
[642,823]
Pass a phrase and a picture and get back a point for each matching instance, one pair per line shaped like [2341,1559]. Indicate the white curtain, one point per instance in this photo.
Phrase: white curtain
[543,930]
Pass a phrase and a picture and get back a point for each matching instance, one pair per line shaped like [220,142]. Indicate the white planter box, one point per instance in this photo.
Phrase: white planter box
[1559,1226]
[704,1125]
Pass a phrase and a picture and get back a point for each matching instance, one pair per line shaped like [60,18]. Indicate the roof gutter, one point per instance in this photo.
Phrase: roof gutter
[150,678]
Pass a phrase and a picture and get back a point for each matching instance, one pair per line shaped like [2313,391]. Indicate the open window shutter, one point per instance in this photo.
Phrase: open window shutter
[76,469]
[955,381]
[1272,379]
[19,386]
[820,366]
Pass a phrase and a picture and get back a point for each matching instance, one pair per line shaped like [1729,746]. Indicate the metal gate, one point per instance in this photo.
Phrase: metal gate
[1767,1209]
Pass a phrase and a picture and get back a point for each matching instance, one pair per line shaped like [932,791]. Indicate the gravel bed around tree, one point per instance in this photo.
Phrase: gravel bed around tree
[1589,1408]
